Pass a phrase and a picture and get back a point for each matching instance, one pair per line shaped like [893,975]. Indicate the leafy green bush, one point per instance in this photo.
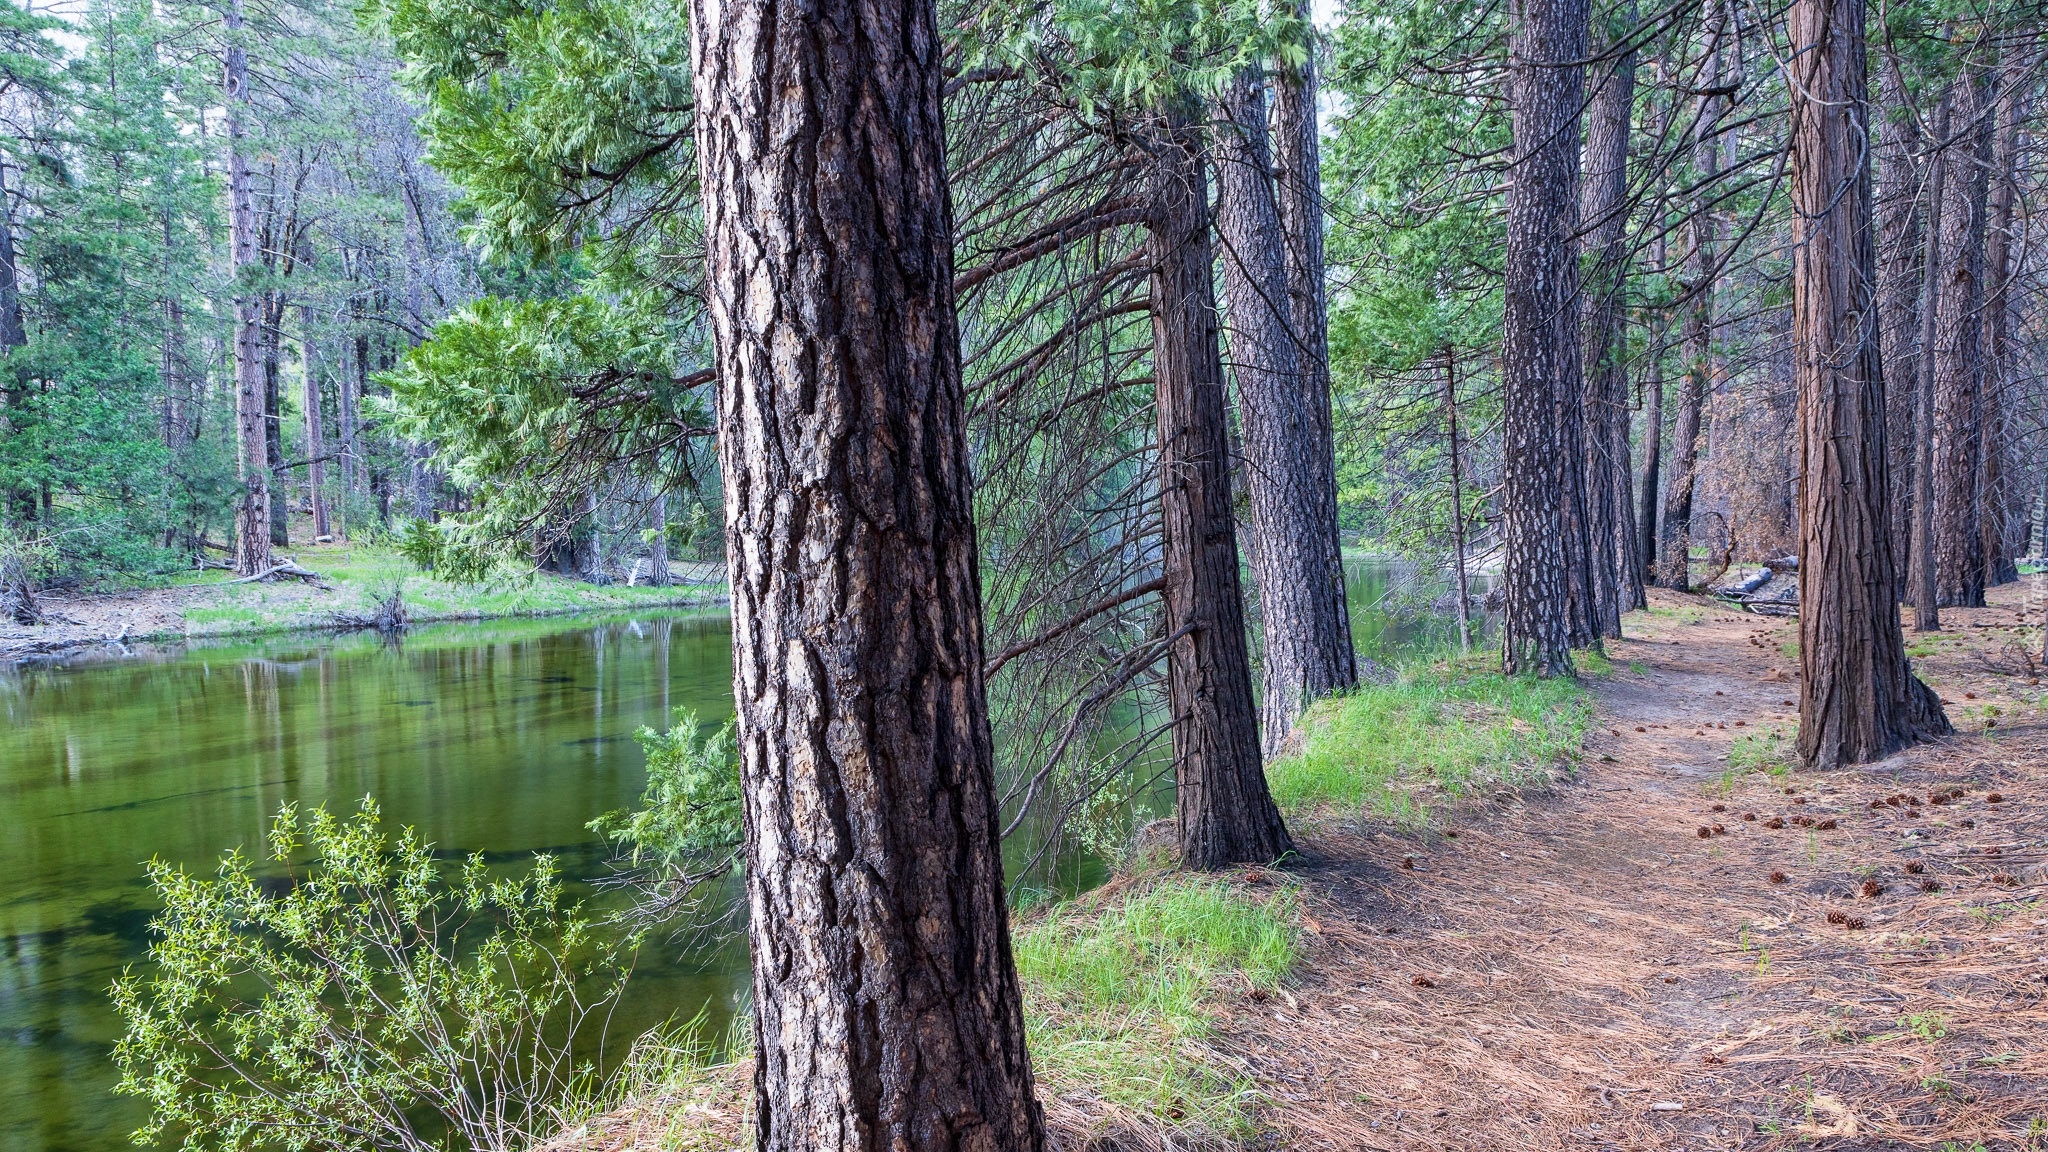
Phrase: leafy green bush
[371,999]
[687,831]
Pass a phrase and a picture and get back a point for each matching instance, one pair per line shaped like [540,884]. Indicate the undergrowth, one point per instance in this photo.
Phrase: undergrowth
[1115,997]
[1439,732]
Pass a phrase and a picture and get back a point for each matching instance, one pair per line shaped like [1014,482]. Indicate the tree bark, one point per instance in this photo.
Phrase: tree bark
[1462,585]
[1225,812]
[887,1014]
[1920,569]
[657,549]
[1859,700]
[1959,351]
[1547,572]
[316,441]
[252,462]
[1898,295]
[1308,651]
[1996,504]
[1653,436]
[1298,171]
[1617,579]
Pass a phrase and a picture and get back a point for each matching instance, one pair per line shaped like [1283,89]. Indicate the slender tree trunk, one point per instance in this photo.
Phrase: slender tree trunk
[1298,168]
[1547,571]
[176,371]
[1308,643]
[273,420]
[1859,700]
[316,441]
[1653,436]
[1225,812]
[1996,503]
[887,1014]
[1898,296]
[1697,336]
[657,549]
[1921,568]
[252,463]
[20,504]
[1959,351]
[1617,579]
[1464,590]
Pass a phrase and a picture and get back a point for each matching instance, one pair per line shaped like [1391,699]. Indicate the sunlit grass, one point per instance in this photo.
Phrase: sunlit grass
[1439,732]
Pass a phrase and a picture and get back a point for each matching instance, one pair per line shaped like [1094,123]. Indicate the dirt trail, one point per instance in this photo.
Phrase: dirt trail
[1583,969]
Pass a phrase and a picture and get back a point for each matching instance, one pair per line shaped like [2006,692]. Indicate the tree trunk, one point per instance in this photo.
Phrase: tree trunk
[657,549]
[1225,812]
[1996,504]
[1617,579]
[887,1013]
[273,420]
[1697,337]
[1547,570]
[1298,168]
[1463,587]
[1308,642]
[1653,436]
[178,424]
[316,441]
[20,504]
[1920,569]
[252,461]
[1959,351]
[1859,700]
[1898,294]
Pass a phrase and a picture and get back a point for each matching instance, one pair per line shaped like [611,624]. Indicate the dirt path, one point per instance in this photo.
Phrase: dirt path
[1585,969]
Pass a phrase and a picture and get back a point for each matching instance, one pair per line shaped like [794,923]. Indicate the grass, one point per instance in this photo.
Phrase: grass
[1439,732]
[362,574]
[1116,998]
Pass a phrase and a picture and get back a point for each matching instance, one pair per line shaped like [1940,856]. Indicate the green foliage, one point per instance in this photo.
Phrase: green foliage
[687,831]
[371,999]
[1437,733]
[1116,999]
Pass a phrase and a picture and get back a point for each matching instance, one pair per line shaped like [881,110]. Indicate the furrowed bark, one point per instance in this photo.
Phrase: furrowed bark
[1998,519]
[1859,700]
[1617,579]
[1225,813]
[1898,295]
[1959,351]
[887,1013]
[1547,571]
[1307,638]
[1926,601]
[252,461]
[1653,438]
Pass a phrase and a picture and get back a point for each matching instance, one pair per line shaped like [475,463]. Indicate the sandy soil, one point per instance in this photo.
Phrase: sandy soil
[1658,956]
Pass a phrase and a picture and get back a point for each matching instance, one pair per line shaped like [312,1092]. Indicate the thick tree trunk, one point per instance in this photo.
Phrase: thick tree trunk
[1996,504]
[1225,812]
[1308,651]
[1859,700]
[1298,168]
[887,1013]
[1959,350]
[1898,295]
[1547,570]
[252,461]
[1920,569]
[657,549]
[1617,578]
[316,440]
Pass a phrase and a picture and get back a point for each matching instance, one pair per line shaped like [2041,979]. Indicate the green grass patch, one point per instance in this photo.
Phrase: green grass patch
[1115,996]
[1439,732]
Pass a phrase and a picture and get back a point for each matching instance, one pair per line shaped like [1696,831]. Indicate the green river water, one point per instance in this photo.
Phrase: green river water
[504,738]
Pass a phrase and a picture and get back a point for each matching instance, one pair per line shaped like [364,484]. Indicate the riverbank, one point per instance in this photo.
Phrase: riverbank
[354,579]
[1597,946]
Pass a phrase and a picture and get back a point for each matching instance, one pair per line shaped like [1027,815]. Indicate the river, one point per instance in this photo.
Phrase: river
[505,738]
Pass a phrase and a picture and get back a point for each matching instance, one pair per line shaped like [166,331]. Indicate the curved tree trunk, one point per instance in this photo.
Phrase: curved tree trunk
[1617,579]
[1546,571]
[1308,644]
[886,1006]
[1959,351]
[1225,812]
[252,458]
[1859,700]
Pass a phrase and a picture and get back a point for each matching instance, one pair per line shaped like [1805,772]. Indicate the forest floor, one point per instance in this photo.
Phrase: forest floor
[1632,961]
[1688,945]
[354,578]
